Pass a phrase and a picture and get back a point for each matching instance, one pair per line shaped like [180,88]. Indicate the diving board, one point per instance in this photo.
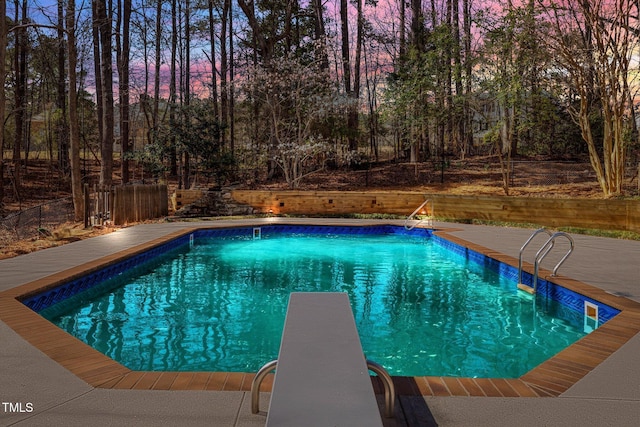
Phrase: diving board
[321,377]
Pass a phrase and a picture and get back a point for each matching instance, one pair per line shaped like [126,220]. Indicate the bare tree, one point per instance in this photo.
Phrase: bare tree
[270,35]
[595,41]
[297,99]
[266,34]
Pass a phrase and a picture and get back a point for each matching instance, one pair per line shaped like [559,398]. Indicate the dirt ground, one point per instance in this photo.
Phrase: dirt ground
[475,176]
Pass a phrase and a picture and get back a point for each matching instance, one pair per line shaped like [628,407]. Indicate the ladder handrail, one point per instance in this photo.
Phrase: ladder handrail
[255,384]
[544,250]
[389,388]
[535,233]
[387,382]
[413,214]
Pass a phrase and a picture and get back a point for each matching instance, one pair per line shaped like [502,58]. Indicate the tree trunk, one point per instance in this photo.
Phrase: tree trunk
[402,43]
[20,63]
[417,25]
[344,26]
[74,122]
[355,108]
[231,88]
[224,90]
[97,69]
[61,125]
[346,75]
[440,91]
[320,34]
[214,71]
[124,94]
[186,90]
[173,156]
[104,29]
[458,117]
[156,77]
[468,67]
[448,75]
[3,55]
[123,53]
[371,78]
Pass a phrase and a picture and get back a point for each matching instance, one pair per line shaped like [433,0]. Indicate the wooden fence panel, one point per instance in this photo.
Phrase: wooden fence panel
[135,203]
[587,213]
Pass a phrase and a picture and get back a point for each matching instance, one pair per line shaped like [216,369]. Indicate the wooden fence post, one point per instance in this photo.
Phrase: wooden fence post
[85,191]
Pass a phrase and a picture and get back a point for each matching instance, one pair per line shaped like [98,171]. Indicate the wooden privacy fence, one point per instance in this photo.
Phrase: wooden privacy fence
[126,203]
[586,213]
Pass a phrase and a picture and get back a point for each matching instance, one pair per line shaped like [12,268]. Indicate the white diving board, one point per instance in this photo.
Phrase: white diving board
[322,378]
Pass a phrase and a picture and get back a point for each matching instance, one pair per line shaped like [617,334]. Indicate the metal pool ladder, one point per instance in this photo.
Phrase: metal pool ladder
[543,252]
[429,219]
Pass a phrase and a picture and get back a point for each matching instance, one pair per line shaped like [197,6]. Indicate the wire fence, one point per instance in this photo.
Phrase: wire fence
[527,173]
[530,173]
[115,205]
[29,223]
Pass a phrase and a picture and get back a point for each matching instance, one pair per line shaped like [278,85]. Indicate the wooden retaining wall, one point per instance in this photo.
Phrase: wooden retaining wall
[181,198]
[133,203]
[585,213]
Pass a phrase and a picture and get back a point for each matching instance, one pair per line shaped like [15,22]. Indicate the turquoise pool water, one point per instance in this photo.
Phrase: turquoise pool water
[220,304]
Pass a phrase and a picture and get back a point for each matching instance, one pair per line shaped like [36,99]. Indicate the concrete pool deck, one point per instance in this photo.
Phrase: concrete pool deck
[35,390]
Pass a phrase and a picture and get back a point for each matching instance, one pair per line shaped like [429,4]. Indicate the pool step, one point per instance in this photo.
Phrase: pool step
[526,288]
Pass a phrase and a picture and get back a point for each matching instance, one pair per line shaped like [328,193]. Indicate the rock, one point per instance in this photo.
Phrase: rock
[215,202]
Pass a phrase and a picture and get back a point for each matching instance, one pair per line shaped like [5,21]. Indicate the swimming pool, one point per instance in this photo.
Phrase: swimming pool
[399,295]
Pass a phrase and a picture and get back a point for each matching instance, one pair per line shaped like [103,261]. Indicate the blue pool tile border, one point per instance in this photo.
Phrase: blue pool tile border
[573,299]
[545,288]
[91,280]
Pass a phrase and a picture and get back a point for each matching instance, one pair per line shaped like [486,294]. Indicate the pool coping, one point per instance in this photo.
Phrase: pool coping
[550,378]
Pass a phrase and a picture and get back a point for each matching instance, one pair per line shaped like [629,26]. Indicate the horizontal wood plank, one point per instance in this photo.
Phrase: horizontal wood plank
[587,213]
